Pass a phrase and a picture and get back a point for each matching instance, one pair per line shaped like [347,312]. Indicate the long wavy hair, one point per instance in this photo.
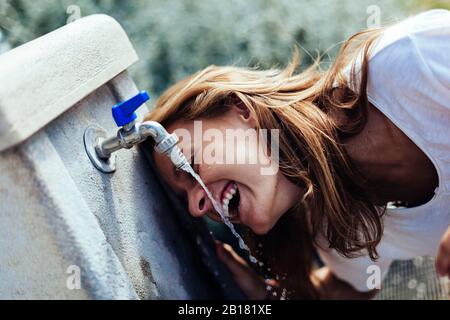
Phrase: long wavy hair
[315,110]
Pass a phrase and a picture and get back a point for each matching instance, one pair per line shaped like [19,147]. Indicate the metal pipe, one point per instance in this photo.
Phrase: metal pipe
[135,133]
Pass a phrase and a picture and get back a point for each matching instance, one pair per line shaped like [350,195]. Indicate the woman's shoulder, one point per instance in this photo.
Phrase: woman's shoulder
[409,81]
[409,64]
[428,24]
[416,47]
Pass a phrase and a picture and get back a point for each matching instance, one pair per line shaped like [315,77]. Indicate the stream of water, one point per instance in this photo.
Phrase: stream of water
[220,211]
[224,216]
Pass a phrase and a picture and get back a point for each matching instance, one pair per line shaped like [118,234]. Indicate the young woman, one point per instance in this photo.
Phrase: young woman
[372,130]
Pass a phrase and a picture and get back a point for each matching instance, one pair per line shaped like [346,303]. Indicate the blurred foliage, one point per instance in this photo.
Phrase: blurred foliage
[430,4]
[175,38]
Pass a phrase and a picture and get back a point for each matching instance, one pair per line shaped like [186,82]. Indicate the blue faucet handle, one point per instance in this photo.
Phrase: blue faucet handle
[124,112]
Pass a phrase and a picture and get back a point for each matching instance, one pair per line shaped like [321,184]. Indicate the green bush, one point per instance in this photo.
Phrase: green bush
[176,38]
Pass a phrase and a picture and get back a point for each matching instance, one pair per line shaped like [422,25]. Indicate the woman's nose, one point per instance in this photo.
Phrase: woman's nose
[199,203]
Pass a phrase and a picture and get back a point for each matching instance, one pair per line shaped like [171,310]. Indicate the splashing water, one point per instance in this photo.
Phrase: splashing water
[224,216]
[220,211]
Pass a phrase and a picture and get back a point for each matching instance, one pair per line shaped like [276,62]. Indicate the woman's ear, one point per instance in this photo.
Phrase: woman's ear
[244,113]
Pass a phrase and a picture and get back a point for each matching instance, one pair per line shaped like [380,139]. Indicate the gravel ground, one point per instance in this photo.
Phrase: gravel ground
[414,280]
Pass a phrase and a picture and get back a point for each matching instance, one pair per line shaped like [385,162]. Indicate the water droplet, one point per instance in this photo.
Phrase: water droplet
[421,287]
[418,261]
[283,294]
[412,284]
[223,215]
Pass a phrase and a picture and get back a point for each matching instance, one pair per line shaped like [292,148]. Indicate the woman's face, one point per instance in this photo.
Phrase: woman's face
[253,197]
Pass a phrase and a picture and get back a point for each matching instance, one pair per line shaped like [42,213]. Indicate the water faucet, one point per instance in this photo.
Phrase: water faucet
[101,148]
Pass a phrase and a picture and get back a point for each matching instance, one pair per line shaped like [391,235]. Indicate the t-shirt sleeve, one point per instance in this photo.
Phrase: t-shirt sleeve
[410,61]
[409,71]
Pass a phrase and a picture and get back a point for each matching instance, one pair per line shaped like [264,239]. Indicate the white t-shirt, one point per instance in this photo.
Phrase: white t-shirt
[409,82]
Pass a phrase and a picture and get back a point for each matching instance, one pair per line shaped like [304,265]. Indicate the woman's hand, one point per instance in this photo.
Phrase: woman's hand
[250,283]
[443,257]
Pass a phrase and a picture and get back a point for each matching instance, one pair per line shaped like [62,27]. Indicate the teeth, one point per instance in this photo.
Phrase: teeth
[227,198]
[225,211]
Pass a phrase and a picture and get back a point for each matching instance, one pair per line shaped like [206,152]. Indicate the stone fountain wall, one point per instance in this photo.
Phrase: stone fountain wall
[68,231]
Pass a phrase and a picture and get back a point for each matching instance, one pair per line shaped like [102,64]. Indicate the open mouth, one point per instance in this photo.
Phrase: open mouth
[230,199]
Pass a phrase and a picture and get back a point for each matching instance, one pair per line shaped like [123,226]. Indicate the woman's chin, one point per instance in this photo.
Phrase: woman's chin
[259,232]
[258,226]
